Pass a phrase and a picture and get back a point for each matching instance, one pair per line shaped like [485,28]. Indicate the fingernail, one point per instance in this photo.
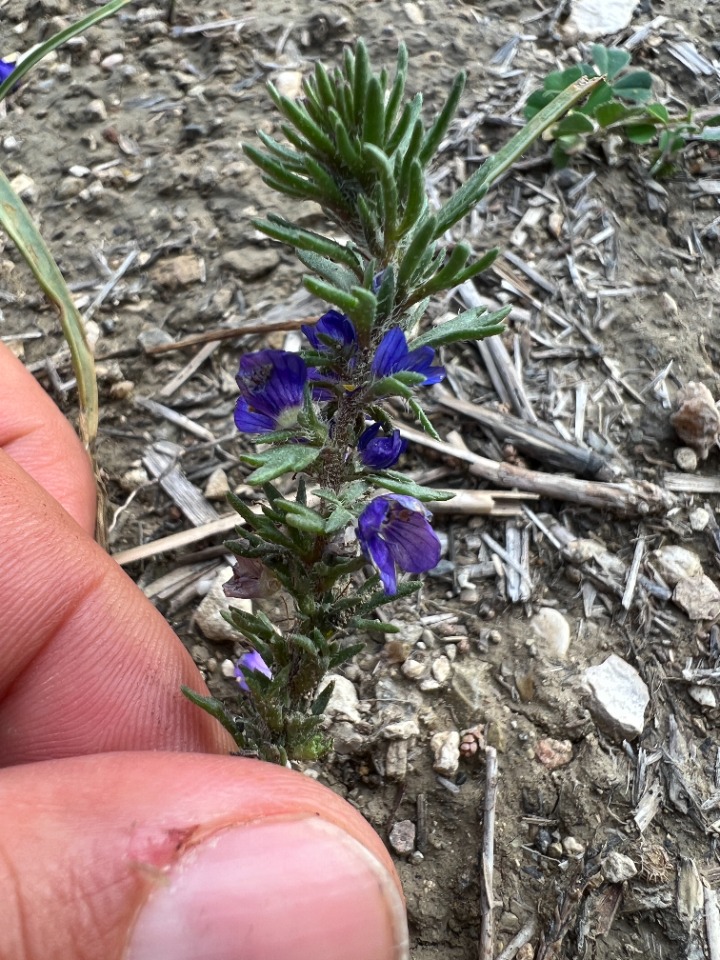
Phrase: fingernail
[292,889]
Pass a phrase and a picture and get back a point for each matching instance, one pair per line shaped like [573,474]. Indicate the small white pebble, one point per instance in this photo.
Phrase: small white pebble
[228,668]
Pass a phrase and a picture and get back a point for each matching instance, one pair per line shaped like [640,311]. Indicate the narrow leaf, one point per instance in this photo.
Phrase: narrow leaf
[397,90]
[283,460]
[326,291]
[439,128]
[399,483]
[302,239]
[373,122]
[18,224]
[475,324]
[478,184]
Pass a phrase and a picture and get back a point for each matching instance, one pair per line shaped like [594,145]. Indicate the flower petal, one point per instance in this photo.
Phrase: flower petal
[250,662]
[413,543]
[391,354]
[382,558]
[249,420]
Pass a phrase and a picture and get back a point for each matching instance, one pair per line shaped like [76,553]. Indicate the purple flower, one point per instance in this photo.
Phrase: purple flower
[5,70]
[377,452]
[394,531]
[333,333]
[250,662]
[393,355]
[271,384]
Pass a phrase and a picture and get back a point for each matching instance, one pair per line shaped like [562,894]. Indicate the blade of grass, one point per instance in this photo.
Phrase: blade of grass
[474,189]
[18,224]
[57,40]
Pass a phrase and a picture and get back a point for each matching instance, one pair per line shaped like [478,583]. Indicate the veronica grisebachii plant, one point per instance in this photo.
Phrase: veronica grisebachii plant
[360,150]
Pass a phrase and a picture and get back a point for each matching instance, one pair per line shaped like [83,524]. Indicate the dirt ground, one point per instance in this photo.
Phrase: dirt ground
[131,140]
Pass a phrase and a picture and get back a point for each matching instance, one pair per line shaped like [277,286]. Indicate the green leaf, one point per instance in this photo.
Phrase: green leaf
[338,520]
[326,291]
[416,203]
[363,315]
[658,111]
[422,419]
[609,60]
[612,112]
[302,121]
[599,96]
[375,158]
[302,517]
[573,124]
[290,158]
[286,232]
[18,224]
[536,101]
[560,80]
[398,88]
[378,626]
[421,239]
[325,89]
[373,121]
[640,132]
[399,483]
[214,707]
[282,460]
[360,81]
[323,698]
[477,186]
[344,654]
[338,276]
[636,86]
[402,132]
[390,387]
[475,324]
[440,126]
[386,294]
[41,51]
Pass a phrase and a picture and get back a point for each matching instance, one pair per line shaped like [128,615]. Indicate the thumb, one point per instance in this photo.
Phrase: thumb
[142,856]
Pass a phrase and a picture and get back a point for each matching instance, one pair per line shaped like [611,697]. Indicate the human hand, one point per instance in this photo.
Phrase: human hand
[126,830]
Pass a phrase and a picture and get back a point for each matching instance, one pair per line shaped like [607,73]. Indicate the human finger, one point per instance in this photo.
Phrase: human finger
[189,857]
[36,435]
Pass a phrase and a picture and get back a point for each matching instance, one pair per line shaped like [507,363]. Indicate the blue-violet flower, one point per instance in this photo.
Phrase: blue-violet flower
[250,662]
[393,355]
[378,452]
[271,384]
[5,70]
[394,531]
[333,333]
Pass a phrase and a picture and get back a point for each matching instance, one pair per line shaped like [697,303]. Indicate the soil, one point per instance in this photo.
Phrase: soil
[156,117]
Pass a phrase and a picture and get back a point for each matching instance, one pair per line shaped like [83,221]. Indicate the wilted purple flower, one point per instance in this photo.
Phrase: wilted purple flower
[5,70]
[250,662]
[334,333]
[271,384]
[378,452]
[394,530]
[393,355]
[250,579]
